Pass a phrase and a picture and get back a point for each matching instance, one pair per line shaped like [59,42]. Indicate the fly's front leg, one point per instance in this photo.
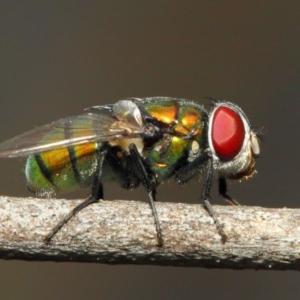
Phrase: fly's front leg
[207,205]
[96,194]
[187,172]
[147,182]
[223,191]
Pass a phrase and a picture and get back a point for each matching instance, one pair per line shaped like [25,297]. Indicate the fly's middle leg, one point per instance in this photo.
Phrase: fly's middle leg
[147,180]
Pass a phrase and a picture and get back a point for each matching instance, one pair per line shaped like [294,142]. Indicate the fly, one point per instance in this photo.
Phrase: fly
[138,141]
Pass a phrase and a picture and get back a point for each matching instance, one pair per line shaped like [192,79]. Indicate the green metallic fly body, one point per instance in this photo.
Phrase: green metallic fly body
[138,141]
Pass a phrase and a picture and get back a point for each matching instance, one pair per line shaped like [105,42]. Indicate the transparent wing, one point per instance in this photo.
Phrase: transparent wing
[124,122]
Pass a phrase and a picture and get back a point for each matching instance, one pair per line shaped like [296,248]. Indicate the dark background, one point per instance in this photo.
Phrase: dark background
[59,57]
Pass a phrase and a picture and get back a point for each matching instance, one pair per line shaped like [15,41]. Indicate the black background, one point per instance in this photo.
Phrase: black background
[59,57]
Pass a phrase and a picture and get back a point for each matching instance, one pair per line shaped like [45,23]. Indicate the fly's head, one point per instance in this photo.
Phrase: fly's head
[233,144]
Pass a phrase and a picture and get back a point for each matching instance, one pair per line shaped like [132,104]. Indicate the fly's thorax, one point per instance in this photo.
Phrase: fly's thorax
[182,118]
[169,110]
[184,134]
[166,156]
[232,142]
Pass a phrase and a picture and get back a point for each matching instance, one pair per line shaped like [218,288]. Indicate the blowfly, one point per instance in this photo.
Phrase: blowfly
[138,141]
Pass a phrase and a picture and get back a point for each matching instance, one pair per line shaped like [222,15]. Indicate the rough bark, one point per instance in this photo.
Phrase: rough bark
[123,232]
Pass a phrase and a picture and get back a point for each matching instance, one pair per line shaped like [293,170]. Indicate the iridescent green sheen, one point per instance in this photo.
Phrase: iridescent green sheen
[73,167]
[47,176]
[36,181]
[185,117]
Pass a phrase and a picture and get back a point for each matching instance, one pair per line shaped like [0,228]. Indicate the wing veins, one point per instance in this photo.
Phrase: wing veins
[94,128]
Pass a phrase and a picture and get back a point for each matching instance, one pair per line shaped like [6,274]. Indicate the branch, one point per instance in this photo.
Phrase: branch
[123,232]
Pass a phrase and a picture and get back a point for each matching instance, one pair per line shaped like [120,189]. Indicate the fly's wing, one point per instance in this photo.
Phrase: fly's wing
[121,122]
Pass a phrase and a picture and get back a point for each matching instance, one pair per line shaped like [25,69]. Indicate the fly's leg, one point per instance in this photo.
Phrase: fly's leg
[123,172]
[223,191]
[188,171]
[96,194]
[207,205]
[147,182]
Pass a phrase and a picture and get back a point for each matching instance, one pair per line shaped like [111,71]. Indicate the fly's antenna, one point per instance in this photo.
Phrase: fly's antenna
[260,133]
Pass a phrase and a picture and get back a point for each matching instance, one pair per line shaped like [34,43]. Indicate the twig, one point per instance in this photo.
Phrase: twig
[123,232]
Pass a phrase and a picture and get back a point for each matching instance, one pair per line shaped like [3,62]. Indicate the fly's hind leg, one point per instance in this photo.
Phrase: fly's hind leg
[96,194]
[147,181]
[223,191]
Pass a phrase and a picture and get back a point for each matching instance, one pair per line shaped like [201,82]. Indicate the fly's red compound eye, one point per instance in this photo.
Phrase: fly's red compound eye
[227,133]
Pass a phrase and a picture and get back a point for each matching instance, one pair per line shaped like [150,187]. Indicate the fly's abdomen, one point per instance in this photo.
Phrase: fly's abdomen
[63,169]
